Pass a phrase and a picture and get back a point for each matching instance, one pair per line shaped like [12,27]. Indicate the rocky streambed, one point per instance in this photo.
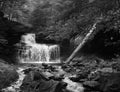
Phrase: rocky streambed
[15,87]
[90,76]
[43,79]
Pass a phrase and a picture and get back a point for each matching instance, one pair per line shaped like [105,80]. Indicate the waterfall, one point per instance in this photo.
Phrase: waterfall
[32,52]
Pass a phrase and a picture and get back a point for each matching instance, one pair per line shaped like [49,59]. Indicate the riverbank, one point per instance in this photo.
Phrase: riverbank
[85,74]
[8,74]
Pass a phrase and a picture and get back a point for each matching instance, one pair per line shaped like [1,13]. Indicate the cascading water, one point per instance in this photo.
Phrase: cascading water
[32,52]
[15,87]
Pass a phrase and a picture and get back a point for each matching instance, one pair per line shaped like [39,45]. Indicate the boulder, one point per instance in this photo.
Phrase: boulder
[36,81]
[110,82]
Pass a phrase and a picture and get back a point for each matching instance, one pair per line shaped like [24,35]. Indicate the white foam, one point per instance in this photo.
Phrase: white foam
[33,52]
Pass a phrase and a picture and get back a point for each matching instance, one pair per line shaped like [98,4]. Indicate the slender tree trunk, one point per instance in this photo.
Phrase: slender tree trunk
[82,43]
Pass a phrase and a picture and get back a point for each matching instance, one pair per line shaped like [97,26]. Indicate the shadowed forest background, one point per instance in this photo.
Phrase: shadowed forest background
[65,22]
[62,21]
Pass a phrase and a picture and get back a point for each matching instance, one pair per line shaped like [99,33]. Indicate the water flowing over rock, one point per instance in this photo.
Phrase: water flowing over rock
[15,87]
[32,52]
[73,86]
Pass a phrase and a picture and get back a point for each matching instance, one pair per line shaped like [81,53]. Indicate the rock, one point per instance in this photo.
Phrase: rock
[15,86]
[10,33]
[35,81]
[59,72]
[75,78]
[91,85]
[73,86]
[110,82]
[26,71]
[61,87]
[8,75]
[107,70]
[48,75]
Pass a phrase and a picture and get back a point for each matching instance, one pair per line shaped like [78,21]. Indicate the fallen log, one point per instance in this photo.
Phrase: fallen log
[82,43]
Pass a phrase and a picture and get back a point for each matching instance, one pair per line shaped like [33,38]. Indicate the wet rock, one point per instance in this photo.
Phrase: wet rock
[15,86]
[80,77]
[73,86]
[61,87]
[106,82]
[110,82]
[91,85]
[26,71]
[107,70]
[75,78]
[8,75]
[45,66]
[59,72]
[37,81]
[48,74]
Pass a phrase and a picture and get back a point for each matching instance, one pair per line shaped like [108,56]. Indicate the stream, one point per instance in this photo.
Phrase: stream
[15,87]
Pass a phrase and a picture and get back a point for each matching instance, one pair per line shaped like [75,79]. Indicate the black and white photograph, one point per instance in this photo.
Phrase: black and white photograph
[59,45]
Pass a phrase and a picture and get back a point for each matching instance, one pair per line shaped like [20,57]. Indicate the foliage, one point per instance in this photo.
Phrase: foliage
[58,16]
[7,75]
[64,19]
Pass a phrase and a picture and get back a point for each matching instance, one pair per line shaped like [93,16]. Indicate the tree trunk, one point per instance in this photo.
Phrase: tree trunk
[82,43]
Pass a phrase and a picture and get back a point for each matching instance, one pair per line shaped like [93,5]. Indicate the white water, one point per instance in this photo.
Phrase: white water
[15,87]
[73,86]
[33,52]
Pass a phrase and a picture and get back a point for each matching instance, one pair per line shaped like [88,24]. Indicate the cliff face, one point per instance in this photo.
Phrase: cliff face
[59,21]
[10,33]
